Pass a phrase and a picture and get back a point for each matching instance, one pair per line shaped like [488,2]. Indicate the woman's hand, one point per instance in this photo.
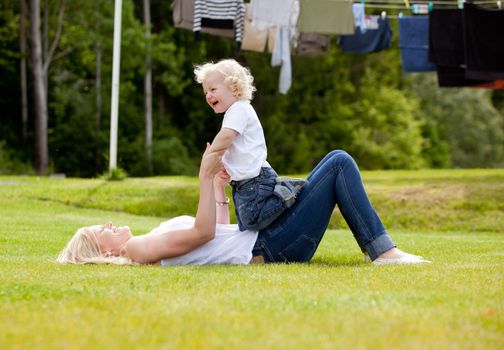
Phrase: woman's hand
[210,163]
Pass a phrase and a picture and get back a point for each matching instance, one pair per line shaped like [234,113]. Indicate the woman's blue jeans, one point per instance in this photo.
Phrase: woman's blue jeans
[295,235]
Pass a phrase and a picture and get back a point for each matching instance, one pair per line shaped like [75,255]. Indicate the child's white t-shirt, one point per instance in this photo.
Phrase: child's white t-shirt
[247,154]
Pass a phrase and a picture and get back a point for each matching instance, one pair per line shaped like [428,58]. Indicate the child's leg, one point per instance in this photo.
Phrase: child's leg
[288,188]
[259,201]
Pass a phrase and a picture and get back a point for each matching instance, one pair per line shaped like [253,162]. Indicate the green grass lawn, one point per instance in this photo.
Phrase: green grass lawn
[454,218]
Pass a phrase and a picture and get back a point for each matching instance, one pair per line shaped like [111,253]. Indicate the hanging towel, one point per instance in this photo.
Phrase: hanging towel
[183,17]
[253,38]
[446,37]
[484,42]
[326,17]
[220,14]
[278,13]
[446,48]
[312,44]
[414,43]
[372,40]
[359,13]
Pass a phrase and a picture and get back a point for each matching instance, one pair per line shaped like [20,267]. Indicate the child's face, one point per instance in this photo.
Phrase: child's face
[217,94]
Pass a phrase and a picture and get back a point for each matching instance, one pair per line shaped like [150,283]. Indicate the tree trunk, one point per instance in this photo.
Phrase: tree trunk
[39,92]
[45,40]
[148,86]
[22,49]
[98,74]
[98,84]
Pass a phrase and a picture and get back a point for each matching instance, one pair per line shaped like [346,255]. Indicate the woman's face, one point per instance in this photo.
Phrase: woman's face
[112,238]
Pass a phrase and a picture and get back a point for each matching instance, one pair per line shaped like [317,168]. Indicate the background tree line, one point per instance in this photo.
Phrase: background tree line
[56,67]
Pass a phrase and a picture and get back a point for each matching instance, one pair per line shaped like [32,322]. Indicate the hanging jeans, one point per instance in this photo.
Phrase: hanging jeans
[295,235]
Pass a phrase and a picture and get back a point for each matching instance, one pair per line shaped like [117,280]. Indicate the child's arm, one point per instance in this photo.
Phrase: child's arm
[223,140]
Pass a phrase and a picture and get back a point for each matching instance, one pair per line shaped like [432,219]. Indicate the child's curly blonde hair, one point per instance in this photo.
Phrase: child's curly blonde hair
[234,74]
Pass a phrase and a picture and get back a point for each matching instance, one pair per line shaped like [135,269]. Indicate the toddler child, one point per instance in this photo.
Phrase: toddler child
[259,195]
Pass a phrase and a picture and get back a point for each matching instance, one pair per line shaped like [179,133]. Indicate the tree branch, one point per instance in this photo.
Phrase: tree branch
[54,44]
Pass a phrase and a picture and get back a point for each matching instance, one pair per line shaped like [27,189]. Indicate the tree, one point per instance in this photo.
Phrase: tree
[39,91]
[40,67]
[465,120]
[22,67]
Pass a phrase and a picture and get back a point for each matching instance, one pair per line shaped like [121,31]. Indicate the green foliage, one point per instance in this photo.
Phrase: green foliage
[462,122]
[385,134]
[11,165]
[169,156]
[116,174]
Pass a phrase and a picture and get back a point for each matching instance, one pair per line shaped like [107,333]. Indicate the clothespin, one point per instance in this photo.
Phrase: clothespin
[400,15]
[383,14]
[430,6]
[499,4]
[461,4]
[406,3]
[363,2]
[419,9]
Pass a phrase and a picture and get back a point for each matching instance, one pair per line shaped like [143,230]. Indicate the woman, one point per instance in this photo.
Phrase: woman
[210,239]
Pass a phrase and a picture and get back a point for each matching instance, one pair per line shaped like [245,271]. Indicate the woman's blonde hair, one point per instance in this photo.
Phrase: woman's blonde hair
[234,74]
[84,248]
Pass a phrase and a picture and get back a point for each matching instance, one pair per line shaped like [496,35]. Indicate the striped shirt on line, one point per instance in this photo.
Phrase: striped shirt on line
[220,10]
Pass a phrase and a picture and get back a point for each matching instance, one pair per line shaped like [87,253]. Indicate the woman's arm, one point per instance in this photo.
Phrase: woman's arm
[152,248]
[221,201]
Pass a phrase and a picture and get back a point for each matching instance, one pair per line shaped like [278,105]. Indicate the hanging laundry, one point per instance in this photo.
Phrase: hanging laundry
[451,76]
[183,17]
[483,42]
[494,85]
[253,38]
[359,13]
[446,48]
[312,44]
[281,57]
[278,13]
[220,14]
[282,15]
[326,17]
[414,43]
[372,40]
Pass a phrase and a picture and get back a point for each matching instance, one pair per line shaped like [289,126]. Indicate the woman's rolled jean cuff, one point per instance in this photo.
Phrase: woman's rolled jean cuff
[379,246]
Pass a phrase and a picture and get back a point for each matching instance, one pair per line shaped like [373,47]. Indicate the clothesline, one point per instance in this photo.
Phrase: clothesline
[268,26]
[415,4]
[434,2]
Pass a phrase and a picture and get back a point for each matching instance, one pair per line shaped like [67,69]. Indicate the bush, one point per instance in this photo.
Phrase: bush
[169,157]
[9,165]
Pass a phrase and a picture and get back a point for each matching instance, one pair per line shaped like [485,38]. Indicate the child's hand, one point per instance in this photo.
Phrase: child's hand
[222,177]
